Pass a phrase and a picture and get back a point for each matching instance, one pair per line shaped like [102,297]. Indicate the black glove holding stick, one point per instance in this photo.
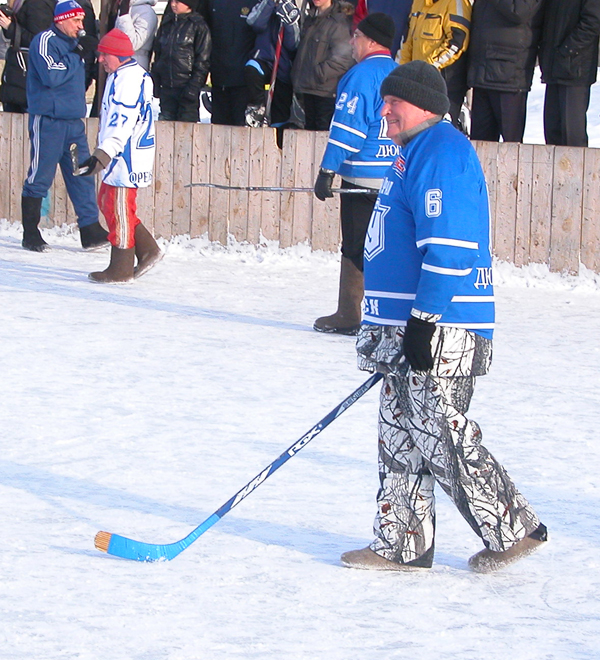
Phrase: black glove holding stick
[323,184]
[417,344]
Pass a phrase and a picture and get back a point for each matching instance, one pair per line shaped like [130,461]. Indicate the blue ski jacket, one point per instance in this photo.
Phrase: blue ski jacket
[428,242]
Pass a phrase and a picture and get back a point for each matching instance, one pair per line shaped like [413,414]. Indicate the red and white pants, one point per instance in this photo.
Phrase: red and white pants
[119,207]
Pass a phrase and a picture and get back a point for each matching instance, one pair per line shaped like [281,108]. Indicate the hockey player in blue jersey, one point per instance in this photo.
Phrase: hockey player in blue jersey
[428,322]
[360,152]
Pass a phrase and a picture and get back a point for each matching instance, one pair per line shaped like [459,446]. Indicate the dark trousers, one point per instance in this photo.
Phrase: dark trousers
[498,114]
[14,107]
[229,105]
[565,120]
[175,107]
[318,111]
[50,141]
[257,76]
[355,213]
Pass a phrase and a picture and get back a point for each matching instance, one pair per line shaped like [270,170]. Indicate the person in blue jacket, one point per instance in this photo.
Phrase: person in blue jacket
[359,150]
[56,105]
[428,323]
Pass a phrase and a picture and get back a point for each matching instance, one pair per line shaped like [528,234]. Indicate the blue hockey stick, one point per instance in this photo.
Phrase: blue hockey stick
[120,546]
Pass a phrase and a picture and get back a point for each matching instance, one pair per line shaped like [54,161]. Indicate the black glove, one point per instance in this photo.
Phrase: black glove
[323,184]
[190,93]
[417,344]
[287,11]
[94,164]
[86,45]
[123,7]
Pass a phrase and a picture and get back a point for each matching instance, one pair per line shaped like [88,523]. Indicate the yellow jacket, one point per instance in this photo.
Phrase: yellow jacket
[438,32]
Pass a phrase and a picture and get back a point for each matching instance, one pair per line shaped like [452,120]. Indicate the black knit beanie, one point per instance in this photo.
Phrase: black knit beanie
[379,27]
[418,83]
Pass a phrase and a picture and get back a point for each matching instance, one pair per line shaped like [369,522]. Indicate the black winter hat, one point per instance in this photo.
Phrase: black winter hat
[192,4]
[379,27]
[418,83]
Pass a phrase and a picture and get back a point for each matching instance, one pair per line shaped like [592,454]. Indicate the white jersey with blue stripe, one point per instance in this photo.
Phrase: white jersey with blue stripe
[126,131]
[358,145]
[427,249]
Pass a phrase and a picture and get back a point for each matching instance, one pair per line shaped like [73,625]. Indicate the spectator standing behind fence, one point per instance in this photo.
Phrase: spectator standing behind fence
[28,18]
[181,61]
[505,35]
[267,18]
[359,150]
[397,9]
[233,45]
[56,104]
[569,60]
[324,55]
[125,152]
[438,33]
[138,20]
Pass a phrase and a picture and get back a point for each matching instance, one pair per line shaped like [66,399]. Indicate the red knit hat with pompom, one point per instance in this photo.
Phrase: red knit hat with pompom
[116,42]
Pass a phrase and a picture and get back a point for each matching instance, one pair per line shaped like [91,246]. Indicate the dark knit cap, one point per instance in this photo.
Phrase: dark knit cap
[379,27]
[418,83]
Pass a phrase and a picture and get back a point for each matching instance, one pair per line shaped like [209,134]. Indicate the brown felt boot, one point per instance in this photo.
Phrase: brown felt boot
[346,321]
[146,250]
[487,561]
[366,559]
[120,268]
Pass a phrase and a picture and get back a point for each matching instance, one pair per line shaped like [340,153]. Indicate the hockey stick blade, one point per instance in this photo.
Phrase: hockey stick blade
[126,548]
[222,186]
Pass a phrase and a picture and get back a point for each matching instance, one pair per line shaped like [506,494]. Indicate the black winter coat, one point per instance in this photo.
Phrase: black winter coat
[34,16]
[505,36]
[569,50]
[181,53]
[324,54]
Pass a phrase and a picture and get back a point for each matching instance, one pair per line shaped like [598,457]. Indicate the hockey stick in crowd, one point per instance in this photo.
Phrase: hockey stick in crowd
[222,186]
[119,546]
[271,91]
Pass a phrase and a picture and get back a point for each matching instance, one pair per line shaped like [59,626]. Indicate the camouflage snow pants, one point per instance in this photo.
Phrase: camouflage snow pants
[424,437]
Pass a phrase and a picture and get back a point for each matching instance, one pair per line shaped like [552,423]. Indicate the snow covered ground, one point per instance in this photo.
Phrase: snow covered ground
[140,409]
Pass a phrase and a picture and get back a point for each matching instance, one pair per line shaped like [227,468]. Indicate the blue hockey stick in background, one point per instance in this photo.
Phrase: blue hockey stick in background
[120,546]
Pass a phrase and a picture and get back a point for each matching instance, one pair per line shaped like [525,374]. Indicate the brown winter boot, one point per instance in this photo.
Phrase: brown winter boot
[146,250]
[346,321]
[487,561]
[120,268]
[368,560]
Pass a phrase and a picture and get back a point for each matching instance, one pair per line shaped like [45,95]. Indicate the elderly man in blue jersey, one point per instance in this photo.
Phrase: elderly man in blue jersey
[360,152]
[429,317]
[56,105]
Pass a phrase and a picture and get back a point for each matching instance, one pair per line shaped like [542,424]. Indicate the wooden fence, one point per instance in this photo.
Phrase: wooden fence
[545,201]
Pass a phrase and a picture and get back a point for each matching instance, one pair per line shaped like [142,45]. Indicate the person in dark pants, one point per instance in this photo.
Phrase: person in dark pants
[505,36]
[181,59]
[233,44]
[56,105]
[569,60]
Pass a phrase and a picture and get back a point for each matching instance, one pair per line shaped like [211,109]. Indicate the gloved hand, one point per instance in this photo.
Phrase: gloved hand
[323,184]
[417,344]
[190,93]
[86,45]
[287,11]
[94,164]
[123,7]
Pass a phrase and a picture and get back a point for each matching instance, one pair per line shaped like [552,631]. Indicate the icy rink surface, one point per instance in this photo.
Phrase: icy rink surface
[141,408]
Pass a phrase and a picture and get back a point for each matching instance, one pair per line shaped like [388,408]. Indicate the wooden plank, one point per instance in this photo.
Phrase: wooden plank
[304,178]
[288,175]
[240,166]
[326,230]
[255,178]
[5,167]
[488,157]
[163,183]
[271,171]
[19,140]
[567,206]
[523,206]
[541,208]
[201,139]
[182,175]
[590,224]
[506,201]
[220,172]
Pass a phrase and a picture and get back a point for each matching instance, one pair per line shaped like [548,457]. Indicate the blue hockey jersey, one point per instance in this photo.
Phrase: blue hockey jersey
[358,146]
[428,241]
